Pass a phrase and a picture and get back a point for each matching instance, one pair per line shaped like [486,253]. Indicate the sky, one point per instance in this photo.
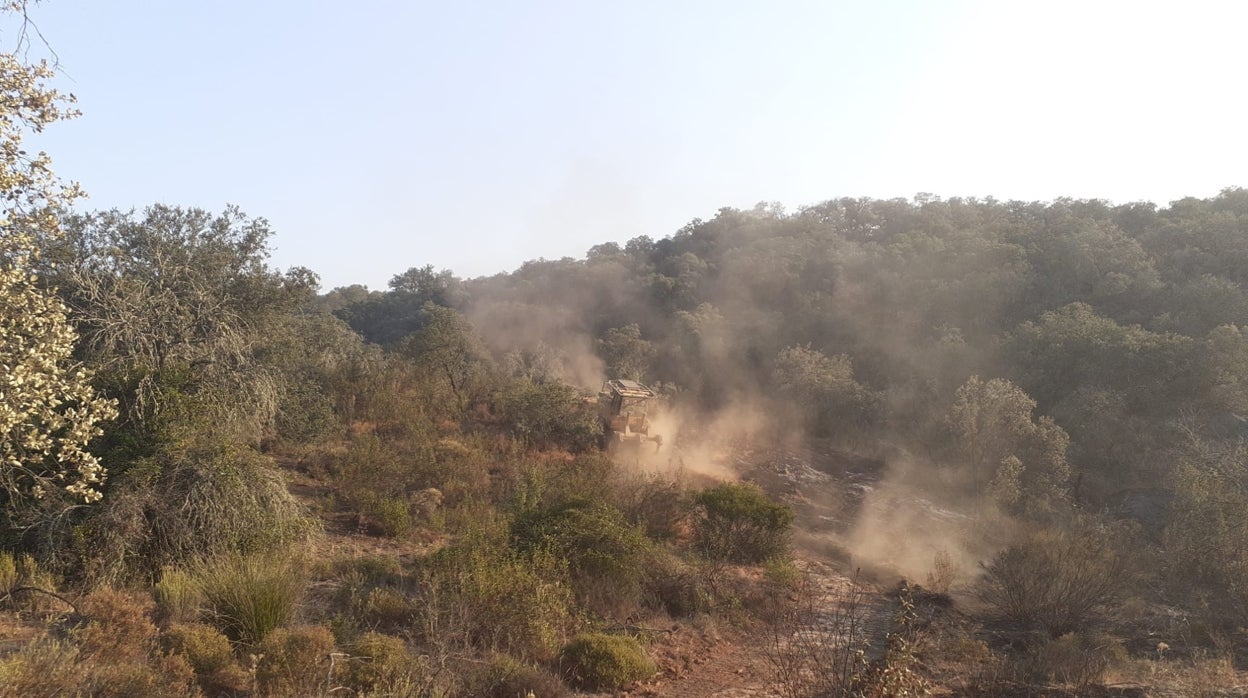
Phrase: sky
[378,136]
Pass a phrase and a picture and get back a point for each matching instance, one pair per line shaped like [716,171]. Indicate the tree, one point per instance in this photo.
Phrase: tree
[449,349]
[1009,454]
[176,303]
[48,411]
[627,355]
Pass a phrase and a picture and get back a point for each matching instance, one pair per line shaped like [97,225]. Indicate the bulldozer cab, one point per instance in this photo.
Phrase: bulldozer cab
[622,406]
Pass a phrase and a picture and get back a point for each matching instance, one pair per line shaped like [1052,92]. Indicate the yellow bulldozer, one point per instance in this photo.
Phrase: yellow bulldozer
[622,408]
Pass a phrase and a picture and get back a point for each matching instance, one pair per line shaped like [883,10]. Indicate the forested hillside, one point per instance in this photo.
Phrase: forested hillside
[909,447]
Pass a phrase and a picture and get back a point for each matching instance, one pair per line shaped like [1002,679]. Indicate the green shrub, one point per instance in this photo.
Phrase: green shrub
[295,661]
[480,597]
[18,571]
[596,661]
[249,596]
[605,555]
[389,514]
[547,415]
[736,522]
[177,595]
[675,586]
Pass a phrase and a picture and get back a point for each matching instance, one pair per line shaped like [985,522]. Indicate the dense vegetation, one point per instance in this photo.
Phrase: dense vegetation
[184,427]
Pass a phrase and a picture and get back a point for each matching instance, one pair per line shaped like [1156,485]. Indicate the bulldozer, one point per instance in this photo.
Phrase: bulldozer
[622,407]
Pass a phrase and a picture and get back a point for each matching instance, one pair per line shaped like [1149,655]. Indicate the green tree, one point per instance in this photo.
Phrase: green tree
[626,353]
[1009,453]
[449,350]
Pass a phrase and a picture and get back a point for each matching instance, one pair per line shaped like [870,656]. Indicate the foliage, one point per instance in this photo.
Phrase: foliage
[249,597]
[604,554]
[295,661]
[49,412]
[380,663]
[1019,461]
[477,596]
[1056,580]
[626,354]
[505,677]
[597,661]
[183,506]
[737,522]
[547,415]
[1206,538]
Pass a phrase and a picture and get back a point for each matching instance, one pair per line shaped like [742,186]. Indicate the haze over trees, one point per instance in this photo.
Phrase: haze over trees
[216,479]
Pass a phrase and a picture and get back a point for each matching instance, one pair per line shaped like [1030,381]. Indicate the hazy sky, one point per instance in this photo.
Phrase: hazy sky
[377,136]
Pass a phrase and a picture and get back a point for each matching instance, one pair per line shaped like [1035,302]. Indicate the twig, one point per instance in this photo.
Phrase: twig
[53,594]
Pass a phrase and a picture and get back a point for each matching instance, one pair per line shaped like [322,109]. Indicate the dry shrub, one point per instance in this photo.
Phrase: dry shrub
[506,677]
[1078,660]
[111,653]
[373,594]
[817,646]
[295,661]
[44,668]
[943,574]
[210,654]
[596,661]
[1055,581]
[248,596]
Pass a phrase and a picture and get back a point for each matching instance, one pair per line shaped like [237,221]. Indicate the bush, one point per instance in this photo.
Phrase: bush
[17,571]
[295,661]
[206,648]
[604,553]
[249,596]
[482,598]
[736,522]
[179,507]
[1056,581]
[381,663]
[1074,659]
[506,677]
[675,587]
[547,415]
[596,661]
[210,655]
[177,595]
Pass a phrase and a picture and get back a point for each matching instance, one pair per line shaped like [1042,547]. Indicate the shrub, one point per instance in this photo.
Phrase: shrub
[1074,659]
[476,596]
[249,596]
[210,655]
[674,586]
[180,506]
[736,522]
[206,648]
[596,661]
[177,595]
[547,415]
[604,553]
[17,571]
[380,663]
[295,661]
[43,667]
[1056,581]
[506,677]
